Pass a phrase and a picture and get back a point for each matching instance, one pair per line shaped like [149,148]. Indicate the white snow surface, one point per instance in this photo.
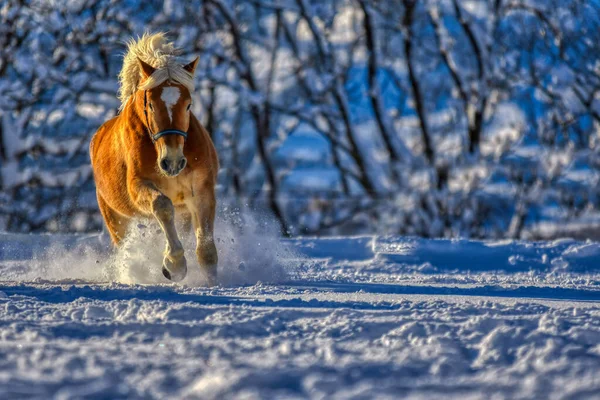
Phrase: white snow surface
[339,318]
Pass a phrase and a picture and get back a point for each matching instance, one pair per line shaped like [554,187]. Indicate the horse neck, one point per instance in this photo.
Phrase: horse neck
[133,113]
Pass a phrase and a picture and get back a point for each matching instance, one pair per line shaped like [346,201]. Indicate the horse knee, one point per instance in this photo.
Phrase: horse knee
[163,208]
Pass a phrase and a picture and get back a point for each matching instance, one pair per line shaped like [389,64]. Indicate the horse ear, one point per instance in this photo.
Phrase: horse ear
[191,67]
[146,69]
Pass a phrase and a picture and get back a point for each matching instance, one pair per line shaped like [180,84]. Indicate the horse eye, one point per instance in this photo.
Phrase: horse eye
[189,106]
[151,107]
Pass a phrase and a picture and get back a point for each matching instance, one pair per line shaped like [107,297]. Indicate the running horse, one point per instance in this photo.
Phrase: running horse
[155,159]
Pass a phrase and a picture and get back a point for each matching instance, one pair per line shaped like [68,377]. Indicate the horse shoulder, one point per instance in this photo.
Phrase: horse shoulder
[100,136]
[108,161]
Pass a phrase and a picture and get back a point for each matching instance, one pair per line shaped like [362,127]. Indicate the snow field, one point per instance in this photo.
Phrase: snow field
[345,317]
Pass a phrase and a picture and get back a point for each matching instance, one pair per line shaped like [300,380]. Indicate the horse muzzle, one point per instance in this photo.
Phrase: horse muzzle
[172,167]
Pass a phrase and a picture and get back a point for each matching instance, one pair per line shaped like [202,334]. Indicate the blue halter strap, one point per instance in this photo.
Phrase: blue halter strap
[160,134]
[156,136]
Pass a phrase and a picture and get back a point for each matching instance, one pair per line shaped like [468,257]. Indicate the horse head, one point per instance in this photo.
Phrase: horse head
[167,115]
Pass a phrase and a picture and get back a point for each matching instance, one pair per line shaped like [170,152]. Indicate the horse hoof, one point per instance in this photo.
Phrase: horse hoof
[174,270]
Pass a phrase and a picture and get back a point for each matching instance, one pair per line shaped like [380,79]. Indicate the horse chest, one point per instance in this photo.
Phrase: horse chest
[177,189]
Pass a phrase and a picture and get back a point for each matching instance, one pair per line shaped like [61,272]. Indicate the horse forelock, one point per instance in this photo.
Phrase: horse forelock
[171,72]
[154,50]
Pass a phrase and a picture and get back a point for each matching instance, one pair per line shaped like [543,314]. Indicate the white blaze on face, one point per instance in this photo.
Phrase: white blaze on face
[170,96]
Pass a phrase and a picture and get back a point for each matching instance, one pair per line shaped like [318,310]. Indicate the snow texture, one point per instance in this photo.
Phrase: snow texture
[338,317]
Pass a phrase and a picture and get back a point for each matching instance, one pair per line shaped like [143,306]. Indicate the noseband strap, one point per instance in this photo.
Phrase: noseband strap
[160,134]
[156,136]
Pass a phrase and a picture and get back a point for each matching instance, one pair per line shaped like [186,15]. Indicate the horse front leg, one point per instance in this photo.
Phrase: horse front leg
[152,201]
[202,210]
[174,263]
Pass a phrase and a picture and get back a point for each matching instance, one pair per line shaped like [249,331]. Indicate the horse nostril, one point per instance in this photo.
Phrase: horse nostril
[164,164]
[182,164]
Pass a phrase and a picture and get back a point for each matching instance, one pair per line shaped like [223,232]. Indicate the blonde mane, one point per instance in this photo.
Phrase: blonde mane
[154,50]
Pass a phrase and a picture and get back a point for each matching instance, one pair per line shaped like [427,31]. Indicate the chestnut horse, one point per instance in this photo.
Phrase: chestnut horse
[155,159]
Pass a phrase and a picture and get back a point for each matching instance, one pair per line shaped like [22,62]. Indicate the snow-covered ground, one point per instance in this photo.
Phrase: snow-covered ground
[345,317]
